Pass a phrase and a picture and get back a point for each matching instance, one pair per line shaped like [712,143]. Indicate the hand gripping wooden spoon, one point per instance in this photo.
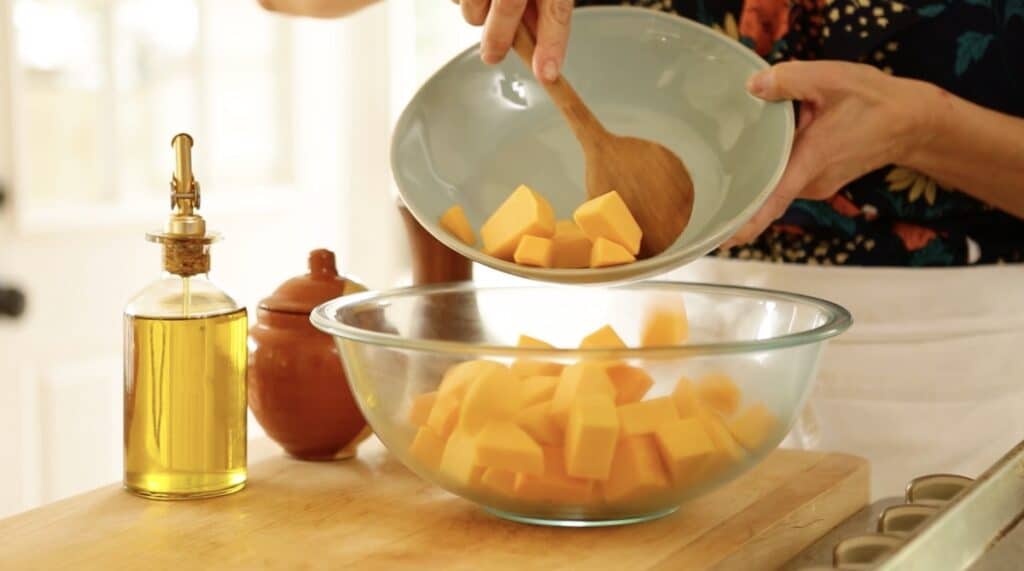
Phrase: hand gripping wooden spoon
[651,179]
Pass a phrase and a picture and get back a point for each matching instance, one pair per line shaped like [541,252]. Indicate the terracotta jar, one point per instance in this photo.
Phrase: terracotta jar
[297,386]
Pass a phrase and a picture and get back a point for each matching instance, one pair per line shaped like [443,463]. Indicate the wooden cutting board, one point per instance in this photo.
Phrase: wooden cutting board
[372,513]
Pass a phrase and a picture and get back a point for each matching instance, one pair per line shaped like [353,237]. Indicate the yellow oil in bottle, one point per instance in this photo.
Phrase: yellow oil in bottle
[185,405]
[185,363]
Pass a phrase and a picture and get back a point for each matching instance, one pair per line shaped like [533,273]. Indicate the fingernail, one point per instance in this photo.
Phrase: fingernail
[550,71]
[759,83]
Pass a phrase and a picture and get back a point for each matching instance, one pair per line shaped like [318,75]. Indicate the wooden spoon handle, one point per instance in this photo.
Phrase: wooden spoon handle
[584,124]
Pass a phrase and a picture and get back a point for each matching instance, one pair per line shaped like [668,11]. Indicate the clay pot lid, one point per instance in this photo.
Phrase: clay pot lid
[302,294]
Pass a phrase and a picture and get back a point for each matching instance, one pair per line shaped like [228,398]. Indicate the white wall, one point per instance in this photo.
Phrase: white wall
[60,365]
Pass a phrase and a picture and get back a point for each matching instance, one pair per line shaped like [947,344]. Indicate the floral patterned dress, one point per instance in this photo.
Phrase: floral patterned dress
[894,216]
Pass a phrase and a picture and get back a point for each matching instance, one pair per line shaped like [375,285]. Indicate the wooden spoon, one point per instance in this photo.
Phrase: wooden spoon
[651,179]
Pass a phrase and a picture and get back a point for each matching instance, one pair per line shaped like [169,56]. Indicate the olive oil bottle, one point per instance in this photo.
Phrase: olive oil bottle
[185,364]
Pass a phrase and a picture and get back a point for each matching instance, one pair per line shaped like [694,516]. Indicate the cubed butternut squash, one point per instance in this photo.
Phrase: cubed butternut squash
[685,398]
[537,422]
[555,486]
[719,392]
[666,324]
[637,471]
[571,247]
[538,389]
[727,453]
[458,377]
[534,251]
[454,221]
[603,338]
[631,383]
[427,448]
[459,462]
[583,433]
[590,437]
[606,253]
[608,217]
[524,212]
[504,445]
[585,378]
[499,481]
[531,367]
[532,342]
[685,446]
[419,410]
[444,415]
[644,417]
[492,397]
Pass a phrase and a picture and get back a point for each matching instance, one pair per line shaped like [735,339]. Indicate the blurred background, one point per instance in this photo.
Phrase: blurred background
[292,120]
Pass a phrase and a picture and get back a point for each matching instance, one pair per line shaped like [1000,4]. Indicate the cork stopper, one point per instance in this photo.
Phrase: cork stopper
[185,241]
[186,258]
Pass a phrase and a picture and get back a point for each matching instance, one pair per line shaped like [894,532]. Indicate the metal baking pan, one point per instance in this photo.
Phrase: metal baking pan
[970,526]
[943,522]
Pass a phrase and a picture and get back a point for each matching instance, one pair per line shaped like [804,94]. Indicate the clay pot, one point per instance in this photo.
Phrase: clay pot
[297,386]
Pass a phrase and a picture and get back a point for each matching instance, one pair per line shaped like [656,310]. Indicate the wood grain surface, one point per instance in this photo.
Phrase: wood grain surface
[372,513]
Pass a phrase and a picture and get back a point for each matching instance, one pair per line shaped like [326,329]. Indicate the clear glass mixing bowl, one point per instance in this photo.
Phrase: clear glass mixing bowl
[750,357]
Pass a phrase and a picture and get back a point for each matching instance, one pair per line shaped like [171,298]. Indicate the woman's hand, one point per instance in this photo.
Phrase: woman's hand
[854,119]
[548,20]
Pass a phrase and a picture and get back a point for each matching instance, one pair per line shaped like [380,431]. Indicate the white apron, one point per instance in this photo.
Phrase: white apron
[930,378]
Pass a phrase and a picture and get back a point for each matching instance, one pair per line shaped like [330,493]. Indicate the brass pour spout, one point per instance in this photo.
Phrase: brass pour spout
[184,237]
[184,192]
[184,188]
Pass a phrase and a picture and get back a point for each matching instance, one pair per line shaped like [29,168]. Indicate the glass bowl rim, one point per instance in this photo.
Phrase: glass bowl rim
[838,320]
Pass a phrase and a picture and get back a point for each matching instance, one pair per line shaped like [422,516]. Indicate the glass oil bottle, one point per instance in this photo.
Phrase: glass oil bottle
[185,364]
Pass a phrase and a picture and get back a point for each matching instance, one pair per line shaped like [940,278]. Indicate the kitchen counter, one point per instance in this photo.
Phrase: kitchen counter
[373,513]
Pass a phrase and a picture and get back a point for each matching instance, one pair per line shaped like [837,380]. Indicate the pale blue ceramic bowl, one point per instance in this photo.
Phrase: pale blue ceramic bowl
[474,132]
